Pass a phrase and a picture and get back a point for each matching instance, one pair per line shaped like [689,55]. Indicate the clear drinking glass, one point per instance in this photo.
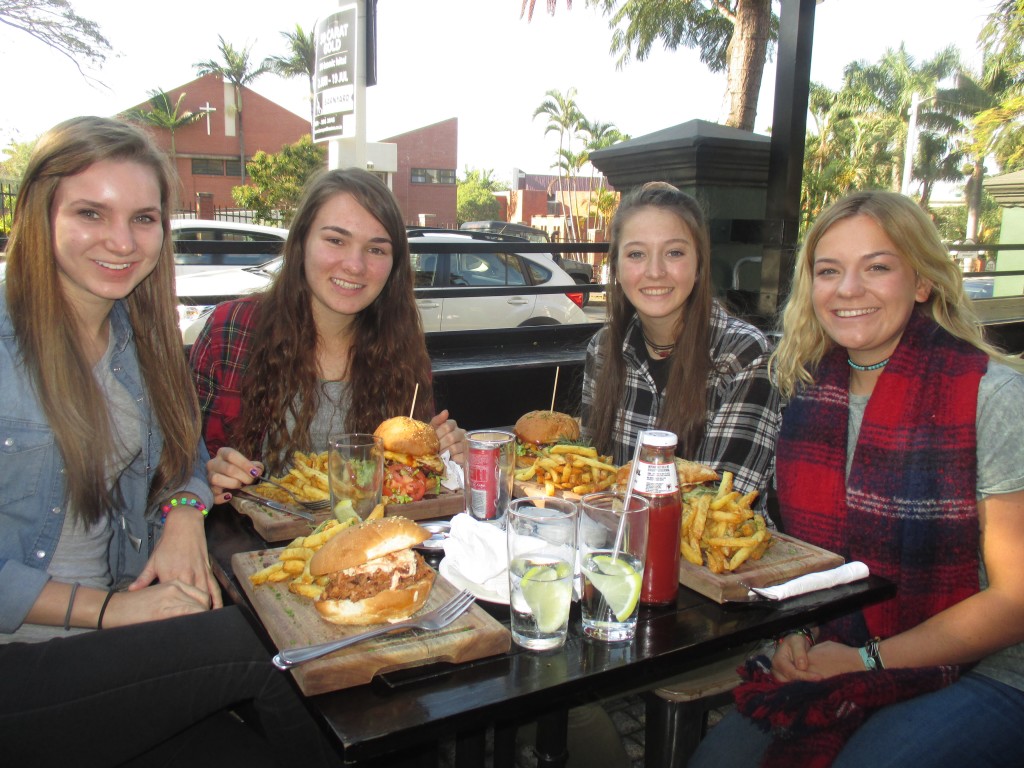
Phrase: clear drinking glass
[612,574]
[541,568]
[355,463]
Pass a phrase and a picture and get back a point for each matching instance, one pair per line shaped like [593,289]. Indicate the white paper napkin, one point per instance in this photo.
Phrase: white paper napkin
[478,551]
[453,480]
[812,582]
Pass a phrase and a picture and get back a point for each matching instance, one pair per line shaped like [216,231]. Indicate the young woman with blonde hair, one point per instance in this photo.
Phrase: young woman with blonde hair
[900,447]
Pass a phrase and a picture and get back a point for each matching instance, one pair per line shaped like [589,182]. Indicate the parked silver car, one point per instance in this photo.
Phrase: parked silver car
[500,268]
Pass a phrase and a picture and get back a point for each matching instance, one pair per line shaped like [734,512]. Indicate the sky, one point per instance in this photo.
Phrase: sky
[476,60]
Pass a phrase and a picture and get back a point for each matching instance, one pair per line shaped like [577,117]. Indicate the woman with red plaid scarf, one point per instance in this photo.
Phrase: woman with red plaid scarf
[900,446]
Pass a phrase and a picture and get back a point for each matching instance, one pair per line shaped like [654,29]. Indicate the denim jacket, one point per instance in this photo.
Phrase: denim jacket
[32,489]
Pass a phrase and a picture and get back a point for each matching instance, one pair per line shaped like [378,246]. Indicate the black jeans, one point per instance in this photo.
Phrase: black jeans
[154,694]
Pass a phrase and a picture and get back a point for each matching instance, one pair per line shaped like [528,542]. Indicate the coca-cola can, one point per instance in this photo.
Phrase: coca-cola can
[489,477]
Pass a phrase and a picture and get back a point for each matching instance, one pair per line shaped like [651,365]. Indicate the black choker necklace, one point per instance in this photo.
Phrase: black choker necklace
[661,350]
[875,367]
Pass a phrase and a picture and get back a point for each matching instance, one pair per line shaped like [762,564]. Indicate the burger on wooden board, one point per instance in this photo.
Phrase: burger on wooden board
[412,467]
[539,429]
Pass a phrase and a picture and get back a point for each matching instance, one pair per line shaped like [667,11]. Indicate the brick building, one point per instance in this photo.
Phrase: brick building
[207,152]
[424,182]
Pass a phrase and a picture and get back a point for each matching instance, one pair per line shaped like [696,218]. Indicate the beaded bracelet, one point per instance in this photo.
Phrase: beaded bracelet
[174,503]
[805,631]
[869,655]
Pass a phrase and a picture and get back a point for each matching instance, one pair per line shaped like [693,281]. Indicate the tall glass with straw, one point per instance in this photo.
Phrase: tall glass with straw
[613,540]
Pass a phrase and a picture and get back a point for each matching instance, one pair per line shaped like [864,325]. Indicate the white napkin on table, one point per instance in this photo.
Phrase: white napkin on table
[812,582]
[479,552]
[453,480]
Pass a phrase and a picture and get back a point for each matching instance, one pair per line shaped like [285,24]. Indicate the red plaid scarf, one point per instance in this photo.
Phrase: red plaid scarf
[908,510]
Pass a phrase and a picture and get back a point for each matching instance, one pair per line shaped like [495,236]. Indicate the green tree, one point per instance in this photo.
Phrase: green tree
[18,152]
[55,24]
[475,200]
[300,60]
[596,136]
[162,114]
[732,36]
[236,69]
[277,180]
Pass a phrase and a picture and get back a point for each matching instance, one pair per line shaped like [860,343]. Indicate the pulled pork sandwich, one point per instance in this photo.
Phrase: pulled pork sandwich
[373,574]
[412,467]
[537,430]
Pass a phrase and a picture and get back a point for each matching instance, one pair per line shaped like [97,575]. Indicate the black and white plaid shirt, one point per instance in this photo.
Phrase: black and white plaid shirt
[743,410]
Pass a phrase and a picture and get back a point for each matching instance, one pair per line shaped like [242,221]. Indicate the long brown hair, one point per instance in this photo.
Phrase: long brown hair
[49,343]
[689,366]
[804,341]
[388,357]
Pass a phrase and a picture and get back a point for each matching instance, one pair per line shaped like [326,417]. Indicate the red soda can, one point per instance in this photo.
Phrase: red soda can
[489,473]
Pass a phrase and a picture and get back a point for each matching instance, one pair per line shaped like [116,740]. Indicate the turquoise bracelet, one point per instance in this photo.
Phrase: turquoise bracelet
[174,503]
[869,655]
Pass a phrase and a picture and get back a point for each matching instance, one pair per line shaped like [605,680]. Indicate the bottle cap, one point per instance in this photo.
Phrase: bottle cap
[657,438]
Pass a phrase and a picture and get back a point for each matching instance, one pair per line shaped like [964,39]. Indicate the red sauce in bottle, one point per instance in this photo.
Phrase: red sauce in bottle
[658,482]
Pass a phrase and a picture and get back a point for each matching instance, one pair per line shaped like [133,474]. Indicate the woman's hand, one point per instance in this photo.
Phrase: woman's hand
[230,469]
[160,601]
[452,437]
[791,661]
[181,556]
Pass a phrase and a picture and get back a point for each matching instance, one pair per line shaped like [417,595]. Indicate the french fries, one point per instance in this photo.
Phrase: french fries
[293,562]
[719,529]
[575,468]
[307,479]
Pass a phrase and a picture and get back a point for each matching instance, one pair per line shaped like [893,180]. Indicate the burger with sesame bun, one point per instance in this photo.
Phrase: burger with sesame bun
[412,467]
[373,574]
[540,429]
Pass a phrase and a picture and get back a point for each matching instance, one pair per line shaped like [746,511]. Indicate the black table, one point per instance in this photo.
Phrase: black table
[404,715]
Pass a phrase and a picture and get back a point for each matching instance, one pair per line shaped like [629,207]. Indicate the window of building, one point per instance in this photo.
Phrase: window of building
[232,168]
[432,176]
[206,166]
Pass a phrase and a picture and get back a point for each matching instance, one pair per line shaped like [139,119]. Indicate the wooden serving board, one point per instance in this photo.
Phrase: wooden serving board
[785,559]
[279,526]
[292,621]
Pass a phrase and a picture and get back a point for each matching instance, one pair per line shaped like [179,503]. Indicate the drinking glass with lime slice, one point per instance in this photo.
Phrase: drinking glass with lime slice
[542,553]
[612,545]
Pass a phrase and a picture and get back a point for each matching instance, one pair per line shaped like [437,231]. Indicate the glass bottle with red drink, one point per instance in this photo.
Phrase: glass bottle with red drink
[657,481]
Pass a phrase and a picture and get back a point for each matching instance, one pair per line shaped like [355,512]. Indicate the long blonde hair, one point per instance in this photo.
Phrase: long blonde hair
[47,338]
[804,342]
[686,390]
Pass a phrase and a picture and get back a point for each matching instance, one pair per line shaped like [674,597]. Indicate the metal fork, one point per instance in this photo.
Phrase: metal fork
[310,505]
[437,619]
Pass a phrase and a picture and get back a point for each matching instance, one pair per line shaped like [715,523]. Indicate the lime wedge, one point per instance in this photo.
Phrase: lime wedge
[618,582]
[343,511]
[547,591]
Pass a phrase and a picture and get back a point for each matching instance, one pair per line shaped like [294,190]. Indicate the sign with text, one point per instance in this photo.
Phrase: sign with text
[334,79]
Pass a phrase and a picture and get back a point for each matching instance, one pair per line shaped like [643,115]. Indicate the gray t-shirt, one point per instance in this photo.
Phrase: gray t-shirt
[330,416]
[1000,470]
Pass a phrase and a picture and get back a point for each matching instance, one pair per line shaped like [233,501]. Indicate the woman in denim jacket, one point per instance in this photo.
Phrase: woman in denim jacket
[102,492]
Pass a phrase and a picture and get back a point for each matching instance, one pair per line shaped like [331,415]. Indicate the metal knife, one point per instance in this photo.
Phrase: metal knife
[273,504]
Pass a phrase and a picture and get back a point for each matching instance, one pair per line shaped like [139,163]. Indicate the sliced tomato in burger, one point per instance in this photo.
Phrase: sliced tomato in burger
[402,483]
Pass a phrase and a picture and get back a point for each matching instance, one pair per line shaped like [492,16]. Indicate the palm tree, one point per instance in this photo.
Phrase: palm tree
[300,61]
[598,135]
[235,69]
[161,114]
[563,117]
[732,36]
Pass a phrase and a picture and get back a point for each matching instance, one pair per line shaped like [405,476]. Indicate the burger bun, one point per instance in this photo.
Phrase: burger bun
[404,435]
[361,543]
[547,427]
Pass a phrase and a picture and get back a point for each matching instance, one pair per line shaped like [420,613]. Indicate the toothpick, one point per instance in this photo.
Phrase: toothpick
[555,390]
[414,393]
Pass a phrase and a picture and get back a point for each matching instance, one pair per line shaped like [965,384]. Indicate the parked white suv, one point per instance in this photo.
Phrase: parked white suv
[220,247]
[500,268]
